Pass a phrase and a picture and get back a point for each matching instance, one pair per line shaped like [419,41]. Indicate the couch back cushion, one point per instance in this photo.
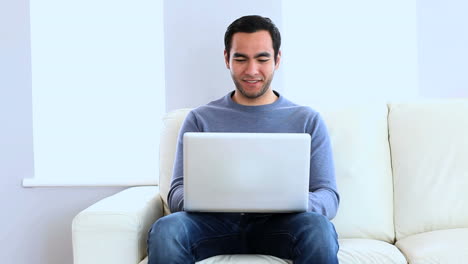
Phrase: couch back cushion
[359,137]
[429,145]
[362,161]
[172,122]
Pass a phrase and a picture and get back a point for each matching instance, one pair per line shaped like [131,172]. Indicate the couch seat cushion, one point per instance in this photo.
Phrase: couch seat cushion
[352,251]
[443,246]
[239,259]
[360,251]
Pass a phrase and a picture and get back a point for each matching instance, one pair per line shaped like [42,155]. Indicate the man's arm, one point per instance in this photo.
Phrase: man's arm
[175,198]
[323,194]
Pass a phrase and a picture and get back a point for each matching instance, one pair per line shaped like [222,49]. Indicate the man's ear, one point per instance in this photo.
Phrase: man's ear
[226,59]
[278,60]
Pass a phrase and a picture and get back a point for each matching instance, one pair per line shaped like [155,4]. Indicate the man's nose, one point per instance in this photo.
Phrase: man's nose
[252,68]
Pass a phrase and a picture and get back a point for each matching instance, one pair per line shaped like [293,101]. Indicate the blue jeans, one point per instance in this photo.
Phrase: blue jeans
[190,237]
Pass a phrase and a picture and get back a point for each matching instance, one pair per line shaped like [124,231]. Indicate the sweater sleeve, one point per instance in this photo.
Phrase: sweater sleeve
[323,194]
[175,197]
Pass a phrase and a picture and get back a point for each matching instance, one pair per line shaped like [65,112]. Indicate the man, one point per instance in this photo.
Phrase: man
[252,55]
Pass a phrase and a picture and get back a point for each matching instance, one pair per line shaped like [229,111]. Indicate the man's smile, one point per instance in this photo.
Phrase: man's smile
[252,81]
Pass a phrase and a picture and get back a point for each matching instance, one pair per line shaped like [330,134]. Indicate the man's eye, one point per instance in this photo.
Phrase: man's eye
[263,60]
[240,60]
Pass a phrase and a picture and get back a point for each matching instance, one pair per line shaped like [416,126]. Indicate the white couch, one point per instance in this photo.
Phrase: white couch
[402,173]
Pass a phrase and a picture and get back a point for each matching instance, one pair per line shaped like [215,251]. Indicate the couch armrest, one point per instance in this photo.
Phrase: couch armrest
[114,230]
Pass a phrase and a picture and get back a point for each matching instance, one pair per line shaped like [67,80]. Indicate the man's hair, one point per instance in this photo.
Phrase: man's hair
[251,24]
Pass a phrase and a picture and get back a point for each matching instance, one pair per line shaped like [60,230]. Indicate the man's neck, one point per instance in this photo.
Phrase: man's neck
[268,98]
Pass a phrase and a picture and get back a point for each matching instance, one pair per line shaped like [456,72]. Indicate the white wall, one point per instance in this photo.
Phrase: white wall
[443,48]
[194,43]
[35,223]
[349,52]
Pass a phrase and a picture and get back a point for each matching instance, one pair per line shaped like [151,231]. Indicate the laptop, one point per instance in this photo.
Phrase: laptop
[246,172]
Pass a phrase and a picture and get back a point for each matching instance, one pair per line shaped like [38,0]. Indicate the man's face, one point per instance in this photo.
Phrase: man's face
[252,63]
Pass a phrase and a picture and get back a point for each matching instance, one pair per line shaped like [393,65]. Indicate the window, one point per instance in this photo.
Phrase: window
[98,92]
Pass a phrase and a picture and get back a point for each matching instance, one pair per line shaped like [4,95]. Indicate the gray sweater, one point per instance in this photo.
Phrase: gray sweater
[282,116]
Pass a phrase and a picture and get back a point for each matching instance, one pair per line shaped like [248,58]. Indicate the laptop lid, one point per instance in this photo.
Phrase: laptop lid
[246,172]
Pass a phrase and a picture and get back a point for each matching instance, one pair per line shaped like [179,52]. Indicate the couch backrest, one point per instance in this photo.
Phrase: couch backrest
[429,144]
[359,137]
[362,160]
[172,122]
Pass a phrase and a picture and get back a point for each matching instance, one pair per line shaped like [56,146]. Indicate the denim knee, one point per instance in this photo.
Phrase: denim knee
[169,226]
[168,241]
[317,241]
[316,227]
[317,220]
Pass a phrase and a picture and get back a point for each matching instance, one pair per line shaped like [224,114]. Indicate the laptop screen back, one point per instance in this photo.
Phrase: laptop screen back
[246,172]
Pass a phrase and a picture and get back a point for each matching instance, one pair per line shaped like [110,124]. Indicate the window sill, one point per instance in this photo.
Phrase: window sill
[32,182]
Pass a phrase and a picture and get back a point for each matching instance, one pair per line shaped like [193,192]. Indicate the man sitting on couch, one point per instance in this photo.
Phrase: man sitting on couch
[252,54]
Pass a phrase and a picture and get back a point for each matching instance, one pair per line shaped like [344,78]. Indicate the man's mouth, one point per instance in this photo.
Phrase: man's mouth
[252,81]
